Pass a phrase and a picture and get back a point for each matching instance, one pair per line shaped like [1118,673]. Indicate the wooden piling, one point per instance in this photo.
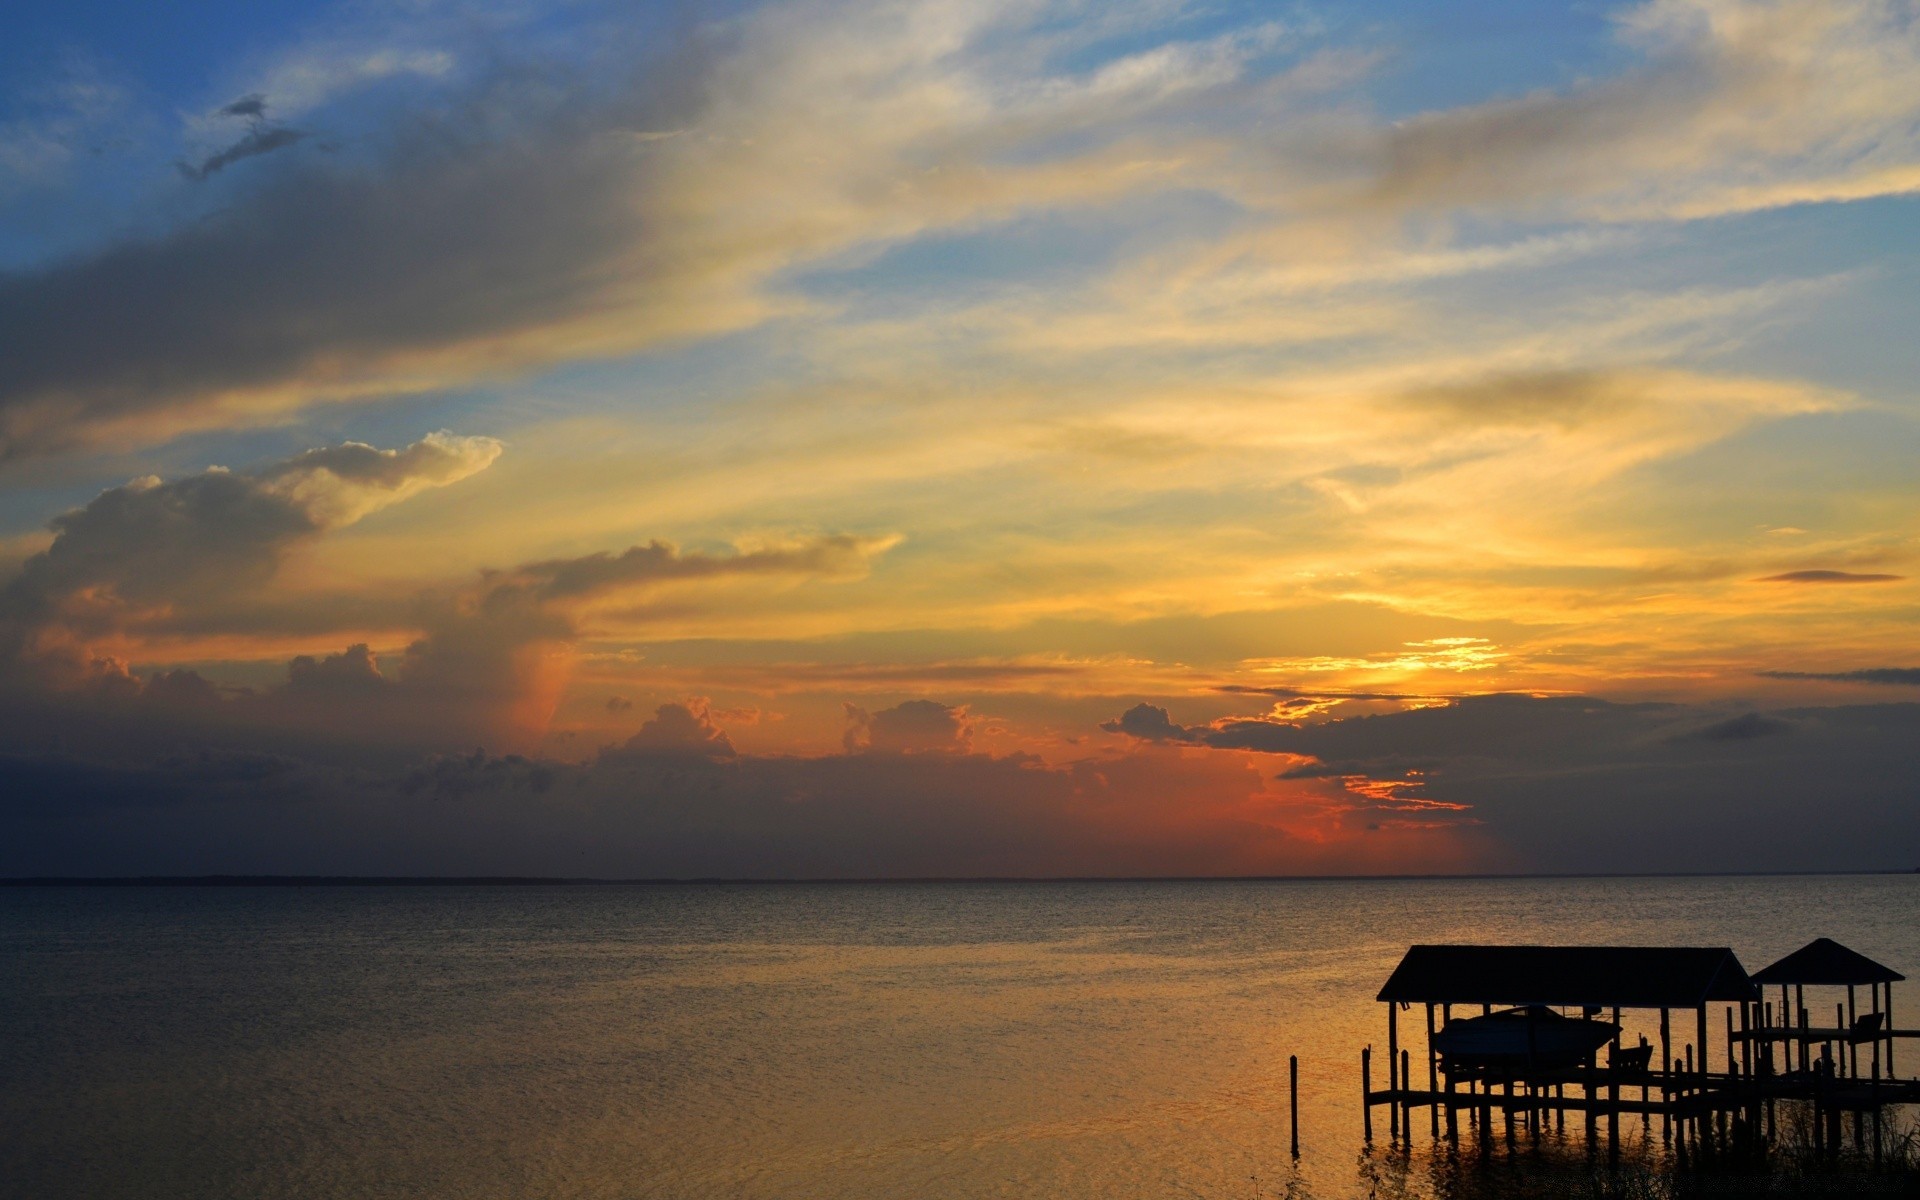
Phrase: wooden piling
[1889,1024]
[1876,1105]
[1701,1015]
[1613,1089]
[1366,1092]
[1393,1069]
[1688,1124]
[1293,1103]
[1666,1070]
[1406,1108]
[1800,1013]
[1433,1077]
[1853,1047]
[1840,1022]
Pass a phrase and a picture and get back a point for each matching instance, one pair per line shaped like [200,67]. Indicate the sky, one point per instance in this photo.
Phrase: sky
[1000,438]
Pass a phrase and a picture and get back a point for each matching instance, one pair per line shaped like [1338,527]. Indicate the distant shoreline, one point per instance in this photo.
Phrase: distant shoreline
[557,881]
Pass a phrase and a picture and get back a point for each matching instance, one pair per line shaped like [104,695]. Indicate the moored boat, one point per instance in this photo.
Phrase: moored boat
[1532,1038]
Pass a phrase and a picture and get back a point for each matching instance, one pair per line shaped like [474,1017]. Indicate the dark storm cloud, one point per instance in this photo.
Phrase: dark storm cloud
[631,814]
[1890,676]
[1822,576]
[1578,783]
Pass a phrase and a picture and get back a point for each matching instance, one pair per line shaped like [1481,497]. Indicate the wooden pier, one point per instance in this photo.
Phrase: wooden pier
[1724,1086]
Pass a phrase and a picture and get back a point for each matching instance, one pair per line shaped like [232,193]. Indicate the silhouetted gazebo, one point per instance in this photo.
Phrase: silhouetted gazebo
[1824,962]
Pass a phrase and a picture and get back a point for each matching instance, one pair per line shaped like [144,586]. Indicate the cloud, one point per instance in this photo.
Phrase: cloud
[1823,576]
[488,659]
[150,550]
[915,726]
[495,655]
[351,675]
[1744,727]
[676,731]
[1739,106]
[833,556]
[254,105]
[1889,676]
[684,815]
[1579,783]
[512,225]
[264,139]
[1150,723]
[1564,398]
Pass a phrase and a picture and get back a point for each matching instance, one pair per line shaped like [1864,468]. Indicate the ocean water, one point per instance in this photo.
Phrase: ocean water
[861,1040]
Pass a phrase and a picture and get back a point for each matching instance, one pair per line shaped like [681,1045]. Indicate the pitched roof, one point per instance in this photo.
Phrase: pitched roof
[1824,960]
[1571,976]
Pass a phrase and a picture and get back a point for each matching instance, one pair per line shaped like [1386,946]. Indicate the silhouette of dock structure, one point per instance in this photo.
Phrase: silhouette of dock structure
[1533,1033]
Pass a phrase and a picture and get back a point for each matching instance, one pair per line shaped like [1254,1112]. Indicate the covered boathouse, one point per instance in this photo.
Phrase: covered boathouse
[1595,980]
[1708,1095]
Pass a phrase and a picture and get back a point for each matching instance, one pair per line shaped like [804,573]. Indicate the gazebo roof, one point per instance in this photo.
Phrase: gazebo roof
[1825,961]
[1569,976]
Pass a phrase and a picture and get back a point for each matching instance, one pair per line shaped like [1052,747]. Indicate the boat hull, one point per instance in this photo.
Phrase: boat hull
[1520,1041]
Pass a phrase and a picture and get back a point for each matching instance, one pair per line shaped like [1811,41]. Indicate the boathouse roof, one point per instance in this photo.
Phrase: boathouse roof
[1825,961]
[1569,976]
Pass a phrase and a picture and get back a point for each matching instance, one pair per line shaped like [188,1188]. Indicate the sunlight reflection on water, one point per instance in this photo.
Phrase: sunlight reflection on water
[1059,1040]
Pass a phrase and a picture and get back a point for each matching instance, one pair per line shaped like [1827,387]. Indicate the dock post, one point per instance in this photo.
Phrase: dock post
[1800,1011]
[1689,1125]
[1666,1074]
[1703,1117]
[1406,1106]
[1884,1028]
[1613,1091]
[1889,1011]
[1393,1068]
[1853,1047]
[1876,1109]
[1293,1103]
[1366,1092]
[1433,1076]
[1701,1014]
[1589,1090]
[1840,1022]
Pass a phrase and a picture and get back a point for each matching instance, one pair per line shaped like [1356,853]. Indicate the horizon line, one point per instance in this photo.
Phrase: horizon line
[270,880]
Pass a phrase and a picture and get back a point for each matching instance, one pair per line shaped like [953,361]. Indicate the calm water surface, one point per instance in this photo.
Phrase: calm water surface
[925,1040]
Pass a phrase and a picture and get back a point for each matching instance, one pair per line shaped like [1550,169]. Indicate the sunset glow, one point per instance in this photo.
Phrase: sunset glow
[960,439]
